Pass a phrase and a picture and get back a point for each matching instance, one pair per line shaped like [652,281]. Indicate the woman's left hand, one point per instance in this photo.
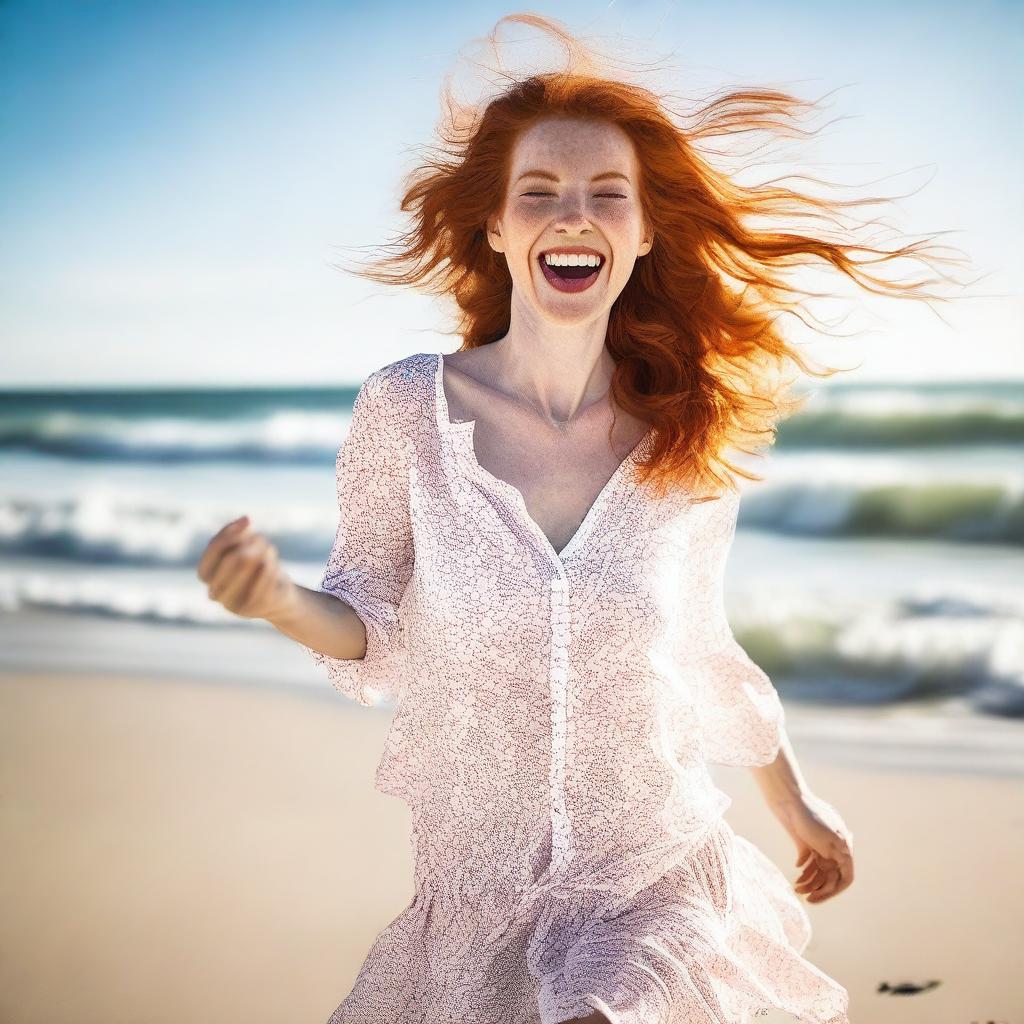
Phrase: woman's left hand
[824,846]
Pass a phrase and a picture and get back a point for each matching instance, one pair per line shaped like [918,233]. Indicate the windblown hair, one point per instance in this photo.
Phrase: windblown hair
[693,333]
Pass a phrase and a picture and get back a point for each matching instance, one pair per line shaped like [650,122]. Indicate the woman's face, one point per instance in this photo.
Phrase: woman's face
[571,207]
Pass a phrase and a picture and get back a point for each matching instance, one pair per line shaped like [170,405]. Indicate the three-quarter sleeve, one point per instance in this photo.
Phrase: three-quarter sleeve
[742,717]
[371,561]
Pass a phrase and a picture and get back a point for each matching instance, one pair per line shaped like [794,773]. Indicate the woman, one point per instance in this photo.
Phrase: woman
[529,563]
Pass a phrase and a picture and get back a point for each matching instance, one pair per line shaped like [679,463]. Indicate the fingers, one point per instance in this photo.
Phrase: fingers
[238,568]
[812,877]
[262,583]
[829,886]
[825,877]
[234,573]
[808,872]
[823,884]
[218,545]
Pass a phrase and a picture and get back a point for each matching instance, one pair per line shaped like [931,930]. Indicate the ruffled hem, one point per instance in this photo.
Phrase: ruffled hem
[717,940]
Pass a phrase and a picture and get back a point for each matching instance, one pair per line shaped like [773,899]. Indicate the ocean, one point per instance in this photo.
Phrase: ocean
[880,564]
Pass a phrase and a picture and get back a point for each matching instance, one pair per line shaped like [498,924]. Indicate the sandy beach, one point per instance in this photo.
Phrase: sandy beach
[176,851]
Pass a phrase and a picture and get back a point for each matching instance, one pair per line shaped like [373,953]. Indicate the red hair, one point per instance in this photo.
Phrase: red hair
[693,332]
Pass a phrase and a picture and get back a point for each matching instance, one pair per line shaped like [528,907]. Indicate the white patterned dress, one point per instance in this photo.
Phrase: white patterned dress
[554,716]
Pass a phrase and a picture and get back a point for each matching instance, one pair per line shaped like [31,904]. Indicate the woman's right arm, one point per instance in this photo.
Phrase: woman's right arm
[351,626]
[242,572]
[322,622]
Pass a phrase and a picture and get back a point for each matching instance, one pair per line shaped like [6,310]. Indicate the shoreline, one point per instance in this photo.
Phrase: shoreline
[942,735]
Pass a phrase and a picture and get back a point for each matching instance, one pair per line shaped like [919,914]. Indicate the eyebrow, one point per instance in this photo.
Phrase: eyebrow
[554,177]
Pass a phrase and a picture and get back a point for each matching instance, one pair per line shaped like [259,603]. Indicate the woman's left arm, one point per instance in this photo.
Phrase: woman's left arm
[822,838]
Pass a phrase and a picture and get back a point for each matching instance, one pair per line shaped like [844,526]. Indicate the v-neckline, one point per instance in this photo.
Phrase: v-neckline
[465,430]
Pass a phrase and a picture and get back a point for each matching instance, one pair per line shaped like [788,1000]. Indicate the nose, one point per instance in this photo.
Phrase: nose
[572,214]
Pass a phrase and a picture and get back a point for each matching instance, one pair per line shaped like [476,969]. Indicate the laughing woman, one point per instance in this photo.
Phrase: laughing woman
[529,565]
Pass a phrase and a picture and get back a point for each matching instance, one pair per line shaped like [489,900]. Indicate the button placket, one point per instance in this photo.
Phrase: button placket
[561,833]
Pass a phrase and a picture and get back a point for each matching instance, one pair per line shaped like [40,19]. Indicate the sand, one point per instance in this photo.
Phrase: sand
[175,851]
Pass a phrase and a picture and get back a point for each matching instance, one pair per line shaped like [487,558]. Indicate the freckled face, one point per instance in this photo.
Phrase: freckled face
[540,213]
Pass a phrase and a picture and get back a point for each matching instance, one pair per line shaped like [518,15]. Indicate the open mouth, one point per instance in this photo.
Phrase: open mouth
[570,279]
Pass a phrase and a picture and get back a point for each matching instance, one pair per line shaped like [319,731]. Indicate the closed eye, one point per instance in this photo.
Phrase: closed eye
[603,195]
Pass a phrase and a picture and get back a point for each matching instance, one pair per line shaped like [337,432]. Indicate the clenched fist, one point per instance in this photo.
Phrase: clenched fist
[241,570]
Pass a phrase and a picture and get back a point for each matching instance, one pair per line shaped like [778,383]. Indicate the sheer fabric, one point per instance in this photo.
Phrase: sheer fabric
[555,715]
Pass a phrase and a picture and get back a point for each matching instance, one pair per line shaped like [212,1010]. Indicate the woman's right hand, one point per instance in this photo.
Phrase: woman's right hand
[241,570]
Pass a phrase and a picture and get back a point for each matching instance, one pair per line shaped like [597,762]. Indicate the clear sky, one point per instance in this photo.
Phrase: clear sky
[177,178]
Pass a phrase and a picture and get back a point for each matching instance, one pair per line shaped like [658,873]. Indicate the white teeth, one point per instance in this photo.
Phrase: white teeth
[571,260]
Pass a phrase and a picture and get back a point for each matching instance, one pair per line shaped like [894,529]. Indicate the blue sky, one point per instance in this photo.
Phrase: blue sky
[176,179]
